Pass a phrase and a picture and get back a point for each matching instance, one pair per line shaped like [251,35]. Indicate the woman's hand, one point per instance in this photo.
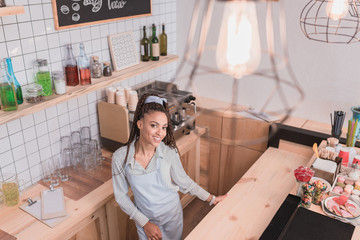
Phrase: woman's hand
[152,231]
[217,199]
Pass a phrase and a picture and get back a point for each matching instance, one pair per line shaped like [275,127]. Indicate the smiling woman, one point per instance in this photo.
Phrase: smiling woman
[150,164]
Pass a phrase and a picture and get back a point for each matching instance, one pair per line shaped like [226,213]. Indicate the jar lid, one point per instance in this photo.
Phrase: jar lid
[33,88]
[41,62]
[95,58]
[107,63]
[57,74]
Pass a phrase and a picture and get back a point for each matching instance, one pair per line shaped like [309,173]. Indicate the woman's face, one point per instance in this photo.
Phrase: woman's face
[153,127]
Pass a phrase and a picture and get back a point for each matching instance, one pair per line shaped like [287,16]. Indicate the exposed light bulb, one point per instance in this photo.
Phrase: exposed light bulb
[337,9]
[238,52]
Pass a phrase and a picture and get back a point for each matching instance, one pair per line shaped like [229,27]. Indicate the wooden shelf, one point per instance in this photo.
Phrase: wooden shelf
[11,10]
[73,92]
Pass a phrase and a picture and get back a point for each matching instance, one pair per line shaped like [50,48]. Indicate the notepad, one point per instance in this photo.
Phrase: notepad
[52,203]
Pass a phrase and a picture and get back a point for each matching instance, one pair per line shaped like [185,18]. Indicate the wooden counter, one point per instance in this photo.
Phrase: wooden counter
[91,207]
[254,199]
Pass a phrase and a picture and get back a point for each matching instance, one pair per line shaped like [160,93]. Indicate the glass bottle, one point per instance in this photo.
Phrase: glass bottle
[42,76]
[163,42]
[96,68]
[154,45]
[71,68]
[107,69]
[84,67]
[18,90]
[2,3]
[144,47]
[7,90]
[59,82]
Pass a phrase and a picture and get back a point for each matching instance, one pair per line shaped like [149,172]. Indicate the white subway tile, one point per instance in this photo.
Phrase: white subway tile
[53,40]
[64,38]
[25,30]
[65,130]
[6,159]
[36,12]
[41,129]
[34,158]
[84,122]
[16,139]
[44,54]
[31,146]
[9,19]
[54,136]
[3,50]
[95,32]
[21,2]
[9,168]
[93,119]
[39,117]
[96,45]
[41,43]
[94,130]
[35,172]
[28,46]
[62,108]
[75,36]
[47,9]
[104,30]
[38,27]
[11,32]
[29,134]
[72,104]
[55,148]
[19,152]
[53,124]
[63,119]
[3,131]
[82,100]
[2,36]
[43,141]
[18,63]
[14,126]
[21,165]
[49,26]
[31,2]
[51,112]
[75,126]
[91,97]
[74,115]
[24,179]
[85,34]
[14,48]
[55,55]
[92,107]
[83,111]
[120,26]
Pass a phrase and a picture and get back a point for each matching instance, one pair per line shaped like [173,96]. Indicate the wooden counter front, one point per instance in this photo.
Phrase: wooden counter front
[254,199]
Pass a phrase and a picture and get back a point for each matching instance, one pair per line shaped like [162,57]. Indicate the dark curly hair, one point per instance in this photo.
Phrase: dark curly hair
[143,108]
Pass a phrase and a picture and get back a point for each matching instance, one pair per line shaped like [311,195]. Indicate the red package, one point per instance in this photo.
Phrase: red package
[303,174]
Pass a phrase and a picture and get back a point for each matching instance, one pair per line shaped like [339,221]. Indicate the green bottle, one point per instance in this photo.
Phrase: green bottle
[43,76]
[144,47]
[155,51]
[163,42]
[18,91]
[7,90]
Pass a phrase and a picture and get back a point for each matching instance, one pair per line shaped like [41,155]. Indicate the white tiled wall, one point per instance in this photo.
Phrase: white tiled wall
[25,142]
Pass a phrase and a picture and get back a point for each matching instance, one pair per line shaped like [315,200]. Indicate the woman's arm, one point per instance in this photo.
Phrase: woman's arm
[121,189]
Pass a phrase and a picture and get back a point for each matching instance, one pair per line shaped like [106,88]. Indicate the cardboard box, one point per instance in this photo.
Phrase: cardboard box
[328,176]
[114,122]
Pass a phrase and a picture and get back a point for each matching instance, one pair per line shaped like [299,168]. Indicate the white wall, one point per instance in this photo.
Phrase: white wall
[25,142]
[328,73]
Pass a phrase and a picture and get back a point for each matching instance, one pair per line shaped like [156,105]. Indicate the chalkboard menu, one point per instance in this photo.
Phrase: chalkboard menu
[76,13]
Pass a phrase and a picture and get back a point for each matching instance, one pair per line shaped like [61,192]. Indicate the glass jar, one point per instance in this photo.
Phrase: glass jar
[10,189]
[34,93]
[96,67]
[42,76]
[59,82]
[2,3]
[107,69]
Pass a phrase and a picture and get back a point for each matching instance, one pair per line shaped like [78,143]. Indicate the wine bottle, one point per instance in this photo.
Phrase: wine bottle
[71,68]
[84,67]
[163,42]
[18,90]
[144,47]
[154,45]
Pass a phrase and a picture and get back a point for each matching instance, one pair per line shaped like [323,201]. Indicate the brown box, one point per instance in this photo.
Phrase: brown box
[330,177]
[114,122]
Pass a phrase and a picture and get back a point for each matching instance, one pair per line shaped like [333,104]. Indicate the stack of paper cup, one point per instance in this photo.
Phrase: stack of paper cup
[127,91]
[120,89]
[110,92]
[133,100]
[120,98]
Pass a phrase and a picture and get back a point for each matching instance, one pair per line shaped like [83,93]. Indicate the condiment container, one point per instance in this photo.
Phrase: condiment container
[10,189]
[34,93]
[107,69]
[59,82]
[96,69]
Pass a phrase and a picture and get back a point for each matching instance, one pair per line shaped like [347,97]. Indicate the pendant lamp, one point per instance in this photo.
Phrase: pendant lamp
[244,52]
[331,21]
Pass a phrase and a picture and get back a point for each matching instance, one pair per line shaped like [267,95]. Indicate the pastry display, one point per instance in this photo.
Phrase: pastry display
[342,206]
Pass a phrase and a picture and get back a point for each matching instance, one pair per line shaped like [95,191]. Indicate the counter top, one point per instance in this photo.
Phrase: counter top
[254,199]
[23,226]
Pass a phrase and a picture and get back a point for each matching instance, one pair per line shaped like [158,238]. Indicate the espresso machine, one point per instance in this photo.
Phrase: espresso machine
[182,106]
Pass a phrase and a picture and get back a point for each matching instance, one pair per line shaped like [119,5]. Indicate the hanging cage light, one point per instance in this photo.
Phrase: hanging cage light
[331,21]
[239,53]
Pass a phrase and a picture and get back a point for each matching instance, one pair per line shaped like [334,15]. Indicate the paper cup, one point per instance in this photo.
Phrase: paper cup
[133,100]
[344,154]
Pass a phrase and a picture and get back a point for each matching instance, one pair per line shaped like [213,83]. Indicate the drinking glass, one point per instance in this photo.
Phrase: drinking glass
[89,161]
[85,134]
[54,168]
[77,158]
[46,170]
[65,143]
[10,189]
[65,162]
[75,139]
[99,157]
[93,145]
